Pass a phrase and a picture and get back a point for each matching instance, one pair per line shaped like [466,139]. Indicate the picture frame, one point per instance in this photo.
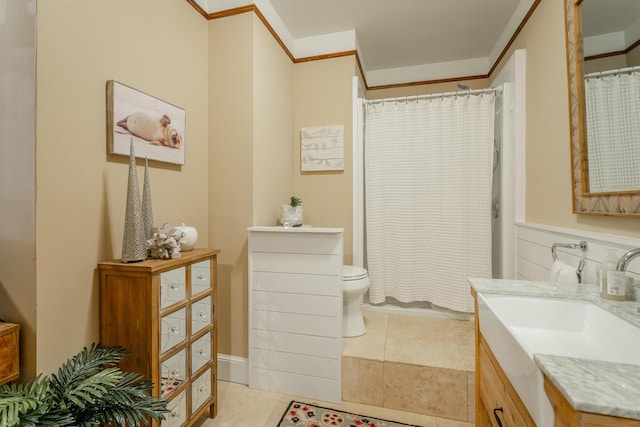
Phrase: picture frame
[155,127]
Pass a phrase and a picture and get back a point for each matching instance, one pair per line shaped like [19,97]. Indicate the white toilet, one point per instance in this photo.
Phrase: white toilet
[355,281]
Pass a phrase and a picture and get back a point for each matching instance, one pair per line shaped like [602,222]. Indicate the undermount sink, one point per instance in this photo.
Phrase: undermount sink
[516,327]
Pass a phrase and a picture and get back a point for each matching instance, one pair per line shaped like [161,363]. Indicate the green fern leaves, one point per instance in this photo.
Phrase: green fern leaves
[88,389]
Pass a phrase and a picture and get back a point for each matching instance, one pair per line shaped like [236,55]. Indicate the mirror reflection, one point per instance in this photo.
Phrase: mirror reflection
[611,43]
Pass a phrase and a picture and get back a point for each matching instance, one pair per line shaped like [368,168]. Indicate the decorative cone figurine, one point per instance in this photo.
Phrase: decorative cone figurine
[147,212]
[134,244]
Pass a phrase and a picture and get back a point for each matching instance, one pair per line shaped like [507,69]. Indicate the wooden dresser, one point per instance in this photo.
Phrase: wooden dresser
[9,352]
[163,313]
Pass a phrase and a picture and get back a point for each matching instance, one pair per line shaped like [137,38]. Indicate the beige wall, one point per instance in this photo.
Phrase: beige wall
[251,156]
[323,98]
[17,176]
[548,162]
[158,47]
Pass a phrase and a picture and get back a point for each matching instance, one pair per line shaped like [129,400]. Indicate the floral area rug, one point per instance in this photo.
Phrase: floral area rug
[300,414]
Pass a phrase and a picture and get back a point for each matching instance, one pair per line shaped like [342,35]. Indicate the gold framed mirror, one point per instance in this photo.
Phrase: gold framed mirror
[618,203]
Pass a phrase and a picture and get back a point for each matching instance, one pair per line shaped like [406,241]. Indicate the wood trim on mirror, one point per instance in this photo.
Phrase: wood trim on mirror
[618,203]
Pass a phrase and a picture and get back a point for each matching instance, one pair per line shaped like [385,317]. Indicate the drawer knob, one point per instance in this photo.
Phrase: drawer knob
[174,329]
[202,314]
[175,373]
[174,414]
[201,277]
[202,352]
[202,389]
[175,287]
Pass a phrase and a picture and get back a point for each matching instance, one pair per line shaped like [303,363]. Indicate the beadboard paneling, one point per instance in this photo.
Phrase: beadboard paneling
[534,260]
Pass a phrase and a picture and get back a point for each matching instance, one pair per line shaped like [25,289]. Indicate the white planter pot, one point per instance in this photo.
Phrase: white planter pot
[290,216]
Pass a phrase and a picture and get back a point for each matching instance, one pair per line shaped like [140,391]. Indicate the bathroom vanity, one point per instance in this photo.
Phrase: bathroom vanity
[555,355]
[295,311]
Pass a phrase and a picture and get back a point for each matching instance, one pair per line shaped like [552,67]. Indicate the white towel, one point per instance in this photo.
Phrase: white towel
[563,273]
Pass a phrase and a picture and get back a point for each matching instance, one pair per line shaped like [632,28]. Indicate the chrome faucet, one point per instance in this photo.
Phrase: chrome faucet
[626,259]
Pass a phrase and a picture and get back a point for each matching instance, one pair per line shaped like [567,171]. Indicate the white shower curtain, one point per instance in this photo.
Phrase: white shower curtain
[613,132]
[428,167]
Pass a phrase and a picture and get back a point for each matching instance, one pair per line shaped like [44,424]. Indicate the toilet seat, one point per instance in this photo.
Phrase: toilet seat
[350,272]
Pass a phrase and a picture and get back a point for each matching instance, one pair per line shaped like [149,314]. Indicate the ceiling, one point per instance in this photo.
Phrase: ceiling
[399,41]
[401,33]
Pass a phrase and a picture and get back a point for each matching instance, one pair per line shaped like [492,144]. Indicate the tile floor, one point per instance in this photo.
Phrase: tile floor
[394,368]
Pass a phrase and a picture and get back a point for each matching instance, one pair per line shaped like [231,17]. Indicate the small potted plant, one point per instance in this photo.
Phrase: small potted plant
[291,214]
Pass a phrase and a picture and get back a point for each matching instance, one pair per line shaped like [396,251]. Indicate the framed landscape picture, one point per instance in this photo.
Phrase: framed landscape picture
[156,128]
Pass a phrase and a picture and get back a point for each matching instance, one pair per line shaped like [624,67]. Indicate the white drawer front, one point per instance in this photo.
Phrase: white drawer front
[297,323]
[278,242]
[310,284]
[297,363]
[173,287]
[200,390]
[200,353]
[304,344]
[201,314]
[200,277]
[298,263]
[173,372]
[297,303]
[174,328]
[177,411]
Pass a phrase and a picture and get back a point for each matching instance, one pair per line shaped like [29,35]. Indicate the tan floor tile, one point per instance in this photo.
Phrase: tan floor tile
[362,381]
[471,396]
[424,352]
[419,327]
[372,344]
[426,390]
[233,409]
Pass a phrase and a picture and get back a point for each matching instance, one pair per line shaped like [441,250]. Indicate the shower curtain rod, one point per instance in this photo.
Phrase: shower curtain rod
[434,95]
[627,70]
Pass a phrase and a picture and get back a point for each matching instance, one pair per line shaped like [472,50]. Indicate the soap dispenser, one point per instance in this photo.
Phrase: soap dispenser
[609,286]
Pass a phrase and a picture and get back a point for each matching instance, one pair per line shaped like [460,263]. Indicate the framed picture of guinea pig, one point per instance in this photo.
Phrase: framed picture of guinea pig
[156,128]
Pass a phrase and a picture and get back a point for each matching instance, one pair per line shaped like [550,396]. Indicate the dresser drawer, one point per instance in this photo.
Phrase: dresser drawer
[200,277]
[201,390]
[200,353]
[173,372]
[201,314]
[177,411]
[173,287]
[495,394]
[9,345]
[174,329]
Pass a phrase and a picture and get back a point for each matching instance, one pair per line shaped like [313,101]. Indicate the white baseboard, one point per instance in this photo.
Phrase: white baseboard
[233,369]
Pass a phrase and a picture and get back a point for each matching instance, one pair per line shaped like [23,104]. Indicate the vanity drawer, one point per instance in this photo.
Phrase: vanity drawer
[200,353]
[200,277]
[173,372]
[496,394]
[201,314]
[200,390]
[174,328]
[177,411]
[173,287]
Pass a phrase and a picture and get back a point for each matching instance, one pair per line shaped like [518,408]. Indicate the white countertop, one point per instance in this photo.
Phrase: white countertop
[588,385]
[302,229]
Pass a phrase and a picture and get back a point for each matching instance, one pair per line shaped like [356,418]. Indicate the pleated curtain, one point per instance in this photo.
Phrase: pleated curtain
[613,132]
[428,169]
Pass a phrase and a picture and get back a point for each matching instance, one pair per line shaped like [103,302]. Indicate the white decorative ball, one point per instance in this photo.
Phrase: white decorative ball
[190,237]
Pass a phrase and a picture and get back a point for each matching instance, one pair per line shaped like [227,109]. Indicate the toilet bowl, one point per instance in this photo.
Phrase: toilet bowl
[355,281]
